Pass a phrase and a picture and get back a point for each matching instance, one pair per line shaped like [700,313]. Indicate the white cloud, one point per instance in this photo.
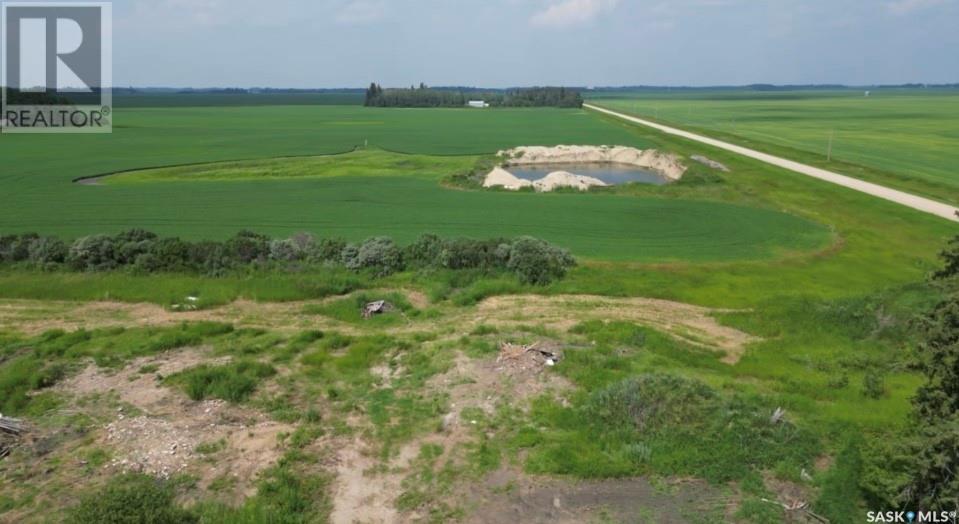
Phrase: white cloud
[903,7]
[572,12]
[361,12]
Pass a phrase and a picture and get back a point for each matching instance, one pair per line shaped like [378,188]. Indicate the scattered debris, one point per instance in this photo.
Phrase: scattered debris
[377,308]
[190,305]
[10,431]
[711,163]
[798,506]
[526,358]
[777,416]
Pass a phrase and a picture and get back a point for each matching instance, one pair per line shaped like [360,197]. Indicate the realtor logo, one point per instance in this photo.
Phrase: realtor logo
[57,67]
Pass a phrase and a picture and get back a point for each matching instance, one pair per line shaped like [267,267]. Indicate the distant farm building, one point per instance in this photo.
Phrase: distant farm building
[477,103]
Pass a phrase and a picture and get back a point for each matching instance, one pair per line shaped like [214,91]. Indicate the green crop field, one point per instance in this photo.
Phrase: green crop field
[776,291]
[905,138]
[358,195]
[400,195]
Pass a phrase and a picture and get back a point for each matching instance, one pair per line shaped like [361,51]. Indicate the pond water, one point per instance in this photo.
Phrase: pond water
[612,174]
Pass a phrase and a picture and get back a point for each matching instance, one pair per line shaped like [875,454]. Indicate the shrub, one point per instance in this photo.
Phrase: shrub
[327,250]
[130,498]
[350,257]
[16,248]
[538,262]
[47,250]
[533,261]
[93,253]
[873,385]
[283,250]
[169,254]
[467,253]
[247,247]
[381,255]
[424,252]
[131,244]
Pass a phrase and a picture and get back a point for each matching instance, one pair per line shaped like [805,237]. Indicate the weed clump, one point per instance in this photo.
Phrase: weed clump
[234,382]
[131,498]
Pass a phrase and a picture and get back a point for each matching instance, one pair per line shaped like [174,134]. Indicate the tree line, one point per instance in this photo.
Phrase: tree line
[532,260]
[424,96]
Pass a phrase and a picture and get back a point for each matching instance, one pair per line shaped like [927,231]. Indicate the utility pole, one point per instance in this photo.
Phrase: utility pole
[832,133]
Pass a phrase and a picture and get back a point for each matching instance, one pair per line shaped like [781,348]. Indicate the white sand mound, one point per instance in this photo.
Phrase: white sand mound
[558,179]
[666,164]
[500,177]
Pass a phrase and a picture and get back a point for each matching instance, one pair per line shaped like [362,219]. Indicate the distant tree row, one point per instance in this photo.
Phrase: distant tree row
[424,96]
[534,261]
[17,97]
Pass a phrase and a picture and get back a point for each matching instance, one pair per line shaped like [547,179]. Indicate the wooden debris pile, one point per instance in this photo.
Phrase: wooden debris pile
[377,308]
[10,431]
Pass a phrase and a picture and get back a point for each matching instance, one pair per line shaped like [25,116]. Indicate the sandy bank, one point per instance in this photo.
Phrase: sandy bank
[664,163]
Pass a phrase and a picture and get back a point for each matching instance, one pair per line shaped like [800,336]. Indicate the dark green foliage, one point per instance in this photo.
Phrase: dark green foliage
[17,378]
[939,361]
[423,96]
[47,250]
[839,487]
[141,252]
[873,385]
[93,253]
[247,247]
[699,177]
[538,262]
[16,248]
[465,253]
[950,256]
[919,469]
[130,499]
[234,382]
[379,254]
[424,252]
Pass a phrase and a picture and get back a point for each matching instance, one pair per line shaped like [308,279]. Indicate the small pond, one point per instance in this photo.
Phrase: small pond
[612,174]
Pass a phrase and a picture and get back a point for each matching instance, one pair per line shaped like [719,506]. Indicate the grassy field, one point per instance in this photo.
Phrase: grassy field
[904,138]
[825,282]
[363,194]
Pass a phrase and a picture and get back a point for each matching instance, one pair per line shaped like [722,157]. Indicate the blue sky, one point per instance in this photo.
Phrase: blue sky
[496,43]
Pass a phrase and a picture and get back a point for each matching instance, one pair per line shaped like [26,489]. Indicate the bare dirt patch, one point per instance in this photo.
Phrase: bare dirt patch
[364,490]
[159,431]
[692,324]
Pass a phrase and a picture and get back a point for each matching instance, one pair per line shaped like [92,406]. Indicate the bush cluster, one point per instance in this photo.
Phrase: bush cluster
[532,260]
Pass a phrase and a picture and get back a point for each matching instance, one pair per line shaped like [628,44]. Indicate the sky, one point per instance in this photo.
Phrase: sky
[503,43]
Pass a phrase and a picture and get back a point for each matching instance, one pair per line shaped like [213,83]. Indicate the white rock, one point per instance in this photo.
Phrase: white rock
[500,177]
[558,179]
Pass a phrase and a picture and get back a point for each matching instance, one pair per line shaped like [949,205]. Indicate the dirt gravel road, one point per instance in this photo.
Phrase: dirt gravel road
[893,195]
